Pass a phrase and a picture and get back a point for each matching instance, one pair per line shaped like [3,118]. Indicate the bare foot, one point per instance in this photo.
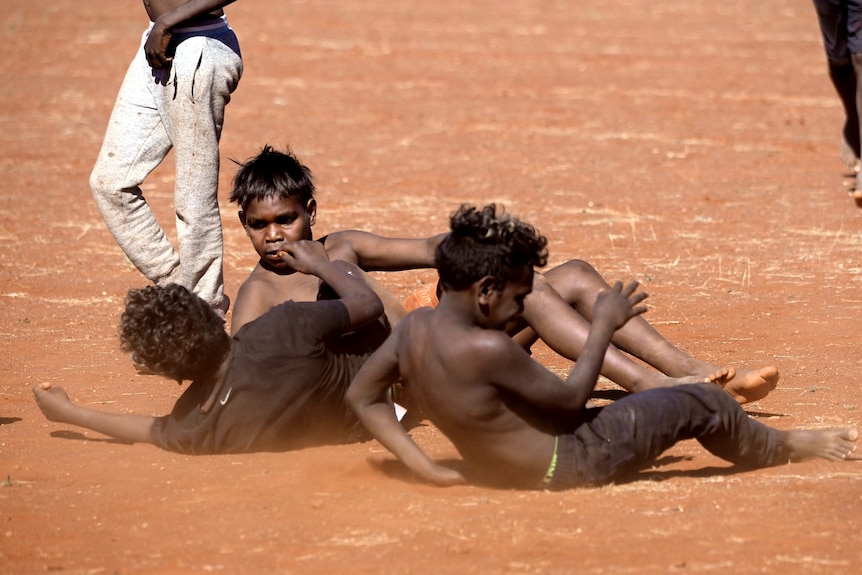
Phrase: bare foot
[721,376]
[848,155]
[831,444]
[746,385]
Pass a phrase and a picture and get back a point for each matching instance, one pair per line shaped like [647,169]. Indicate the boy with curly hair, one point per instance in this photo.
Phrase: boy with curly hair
[519,425]
[277,385]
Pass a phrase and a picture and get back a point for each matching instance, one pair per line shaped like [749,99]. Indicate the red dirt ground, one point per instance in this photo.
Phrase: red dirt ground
[689,145]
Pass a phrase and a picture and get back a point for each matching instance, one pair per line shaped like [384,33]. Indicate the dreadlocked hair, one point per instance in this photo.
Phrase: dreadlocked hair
[173,332]
[483,243]
[272,174]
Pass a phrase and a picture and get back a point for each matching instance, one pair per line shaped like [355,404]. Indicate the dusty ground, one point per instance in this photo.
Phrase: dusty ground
[690,145]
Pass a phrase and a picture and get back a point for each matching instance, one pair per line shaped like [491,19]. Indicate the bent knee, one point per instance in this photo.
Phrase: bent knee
[575,279]
[102,182]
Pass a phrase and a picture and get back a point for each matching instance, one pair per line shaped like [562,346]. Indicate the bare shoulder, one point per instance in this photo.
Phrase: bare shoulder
[470,349]
[257,295]
[415,320]
[491,343]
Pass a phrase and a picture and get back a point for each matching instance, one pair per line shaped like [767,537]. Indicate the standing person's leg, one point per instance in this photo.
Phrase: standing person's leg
[854,46]
[832,16]
[135,143]
[206,70]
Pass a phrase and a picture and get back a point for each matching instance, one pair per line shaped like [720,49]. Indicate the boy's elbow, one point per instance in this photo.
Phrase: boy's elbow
[350,398]
[355,399]
[372,307]
[377,306]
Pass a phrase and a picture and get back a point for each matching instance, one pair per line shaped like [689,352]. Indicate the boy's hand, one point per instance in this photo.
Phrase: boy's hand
[305,256]
[619,304]
[53,401]
[156,47]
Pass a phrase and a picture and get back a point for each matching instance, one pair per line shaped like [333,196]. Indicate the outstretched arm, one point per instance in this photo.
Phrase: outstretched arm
[56,406]
[377,253]
[367,397]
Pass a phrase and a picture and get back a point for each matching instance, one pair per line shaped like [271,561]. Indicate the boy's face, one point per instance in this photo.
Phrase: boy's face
[506,305]
[272,221]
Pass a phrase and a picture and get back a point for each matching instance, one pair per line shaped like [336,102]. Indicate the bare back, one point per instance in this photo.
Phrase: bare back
[445,369]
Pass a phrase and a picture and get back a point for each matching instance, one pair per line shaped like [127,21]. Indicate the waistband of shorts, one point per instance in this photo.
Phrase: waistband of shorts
[207,25]
[549,474]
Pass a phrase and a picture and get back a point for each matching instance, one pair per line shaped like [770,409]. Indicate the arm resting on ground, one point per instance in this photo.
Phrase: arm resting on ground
[367,397]
[56,405]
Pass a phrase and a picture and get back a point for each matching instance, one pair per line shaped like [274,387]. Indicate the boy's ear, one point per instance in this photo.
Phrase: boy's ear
[311,210]
[241,215]
[485,287]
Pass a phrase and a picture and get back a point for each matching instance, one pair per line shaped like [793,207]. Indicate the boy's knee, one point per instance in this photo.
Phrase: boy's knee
[103,182]
[575,269]
[574,279]
[710,394]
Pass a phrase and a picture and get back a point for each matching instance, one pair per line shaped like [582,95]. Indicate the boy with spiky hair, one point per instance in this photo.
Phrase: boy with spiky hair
[519,425]
[275,195]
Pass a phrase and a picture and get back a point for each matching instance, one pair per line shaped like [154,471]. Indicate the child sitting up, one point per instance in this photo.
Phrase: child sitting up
[516,423]
[275,194]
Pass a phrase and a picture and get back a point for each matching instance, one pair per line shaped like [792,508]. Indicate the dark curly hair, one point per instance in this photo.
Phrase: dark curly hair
[272,174]
[173,332]
[482,243]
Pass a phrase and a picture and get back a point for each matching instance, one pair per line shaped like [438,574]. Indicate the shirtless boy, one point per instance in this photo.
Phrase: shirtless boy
[516,423]
[173,96]
[275,194]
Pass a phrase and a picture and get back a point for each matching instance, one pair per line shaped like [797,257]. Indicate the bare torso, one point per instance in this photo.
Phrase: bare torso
[156,8]
[491,432]
[264,289]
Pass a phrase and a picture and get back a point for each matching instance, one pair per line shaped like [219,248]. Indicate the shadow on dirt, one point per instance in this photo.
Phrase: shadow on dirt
[74,435]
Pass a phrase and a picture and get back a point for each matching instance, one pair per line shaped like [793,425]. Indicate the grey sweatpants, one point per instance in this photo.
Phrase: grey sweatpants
[181,107]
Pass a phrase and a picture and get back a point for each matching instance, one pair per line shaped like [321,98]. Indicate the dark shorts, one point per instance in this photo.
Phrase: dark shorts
[617,440]
[841,26]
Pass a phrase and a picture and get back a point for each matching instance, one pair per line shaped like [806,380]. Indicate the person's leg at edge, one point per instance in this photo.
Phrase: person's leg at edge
[832,16]
[854,46]
[135,143]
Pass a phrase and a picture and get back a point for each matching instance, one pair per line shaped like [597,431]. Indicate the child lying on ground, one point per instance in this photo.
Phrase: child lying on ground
[276,385]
